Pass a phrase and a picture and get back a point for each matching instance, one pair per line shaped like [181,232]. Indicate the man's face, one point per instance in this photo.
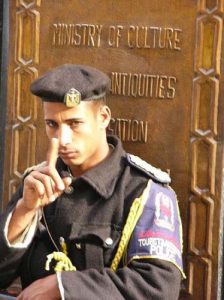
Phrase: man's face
[80,130]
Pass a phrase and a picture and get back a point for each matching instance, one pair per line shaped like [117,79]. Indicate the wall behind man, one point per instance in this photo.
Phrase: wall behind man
[1,22]
[1,2]
[3,69]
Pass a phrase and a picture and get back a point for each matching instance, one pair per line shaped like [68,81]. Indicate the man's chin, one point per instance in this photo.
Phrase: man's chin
[72,161]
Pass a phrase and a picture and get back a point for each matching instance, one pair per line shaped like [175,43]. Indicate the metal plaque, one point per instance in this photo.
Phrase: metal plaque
[166,96]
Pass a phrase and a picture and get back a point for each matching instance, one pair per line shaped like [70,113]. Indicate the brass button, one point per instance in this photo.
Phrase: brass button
[109,241]
[69,190]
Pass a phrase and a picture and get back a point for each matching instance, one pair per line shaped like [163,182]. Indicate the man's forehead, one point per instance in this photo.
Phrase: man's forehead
[55,108]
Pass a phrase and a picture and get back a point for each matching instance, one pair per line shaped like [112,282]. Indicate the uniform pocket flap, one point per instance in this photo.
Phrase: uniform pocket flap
[105,235]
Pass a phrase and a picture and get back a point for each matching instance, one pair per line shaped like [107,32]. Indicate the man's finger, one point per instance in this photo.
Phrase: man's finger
[52,157]
[52,154]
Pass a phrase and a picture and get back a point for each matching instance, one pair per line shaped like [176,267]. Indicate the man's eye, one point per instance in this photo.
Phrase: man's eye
[75,123]
[51,124]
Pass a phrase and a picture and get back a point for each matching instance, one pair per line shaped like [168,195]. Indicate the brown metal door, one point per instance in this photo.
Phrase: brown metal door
[164,61]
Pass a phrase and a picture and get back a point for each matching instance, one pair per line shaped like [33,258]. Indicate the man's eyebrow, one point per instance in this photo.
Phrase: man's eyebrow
[71,119]
[66,120]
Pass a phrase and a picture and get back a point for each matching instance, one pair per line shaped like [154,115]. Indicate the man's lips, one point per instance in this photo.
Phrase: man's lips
[68,154]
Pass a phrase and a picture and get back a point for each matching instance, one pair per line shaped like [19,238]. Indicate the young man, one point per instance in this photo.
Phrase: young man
[92,222]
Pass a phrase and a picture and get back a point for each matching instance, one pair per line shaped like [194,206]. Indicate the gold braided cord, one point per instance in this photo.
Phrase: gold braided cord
[63,262]
[63,245]
[132,219]
[136,210]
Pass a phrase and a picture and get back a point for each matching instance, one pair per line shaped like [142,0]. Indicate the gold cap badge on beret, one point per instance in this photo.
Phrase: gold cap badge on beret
[72,98]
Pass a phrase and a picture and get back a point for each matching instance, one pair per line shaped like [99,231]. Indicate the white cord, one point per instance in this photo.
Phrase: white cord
[45,223]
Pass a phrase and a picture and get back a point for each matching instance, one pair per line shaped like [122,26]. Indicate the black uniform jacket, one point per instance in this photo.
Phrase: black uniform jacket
[90,219]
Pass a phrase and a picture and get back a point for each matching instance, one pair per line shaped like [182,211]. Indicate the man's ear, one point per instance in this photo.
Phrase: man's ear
[105,115]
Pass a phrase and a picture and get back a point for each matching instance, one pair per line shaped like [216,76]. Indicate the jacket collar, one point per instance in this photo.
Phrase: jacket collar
[104,176]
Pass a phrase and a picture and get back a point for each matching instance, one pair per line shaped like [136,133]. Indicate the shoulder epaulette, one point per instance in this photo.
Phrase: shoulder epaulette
[152,172]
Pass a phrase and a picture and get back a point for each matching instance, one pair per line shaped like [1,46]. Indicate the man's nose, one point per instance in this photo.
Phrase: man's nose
[65,137]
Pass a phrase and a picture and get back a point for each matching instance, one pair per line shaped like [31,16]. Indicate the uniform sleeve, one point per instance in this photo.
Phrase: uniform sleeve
[24,240]
[158,231]
[143,279]
[11,255]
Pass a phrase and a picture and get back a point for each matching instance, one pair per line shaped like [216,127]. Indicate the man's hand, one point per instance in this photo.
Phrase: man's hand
[42,289]
[44,184]
[41,187]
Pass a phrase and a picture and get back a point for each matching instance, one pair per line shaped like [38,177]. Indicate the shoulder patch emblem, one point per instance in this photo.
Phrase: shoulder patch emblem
[158,232]
[164,211]
[153,172]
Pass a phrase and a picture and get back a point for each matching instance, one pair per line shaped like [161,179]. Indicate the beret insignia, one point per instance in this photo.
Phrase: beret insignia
[72,98]
[148,169]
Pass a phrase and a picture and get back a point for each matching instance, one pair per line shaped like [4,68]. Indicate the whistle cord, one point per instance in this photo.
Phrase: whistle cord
[49,233]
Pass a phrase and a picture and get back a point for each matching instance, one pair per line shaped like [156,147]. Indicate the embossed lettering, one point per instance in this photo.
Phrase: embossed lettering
[88,35]
[114,35]
[129,130]
[143,85]
[133,36]
[153,37]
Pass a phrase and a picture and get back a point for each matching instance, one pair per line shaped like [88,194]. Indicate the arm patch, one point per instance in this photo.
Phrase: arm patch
[158,232]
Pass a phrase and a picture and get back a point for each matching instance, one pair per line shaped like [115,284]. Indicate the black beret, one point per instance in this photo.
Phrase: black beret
[71,84]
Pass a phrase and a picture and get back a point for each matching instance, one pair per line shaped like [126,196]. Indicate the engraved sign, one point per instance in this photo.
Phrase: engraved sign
[89,35]
[129,130]
[143,85]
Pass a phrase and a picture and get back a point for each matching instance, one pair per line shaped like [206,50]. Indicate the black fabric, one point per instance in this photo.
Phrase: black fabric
[94,256]
[88,81]
[95,211]
[141,280]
